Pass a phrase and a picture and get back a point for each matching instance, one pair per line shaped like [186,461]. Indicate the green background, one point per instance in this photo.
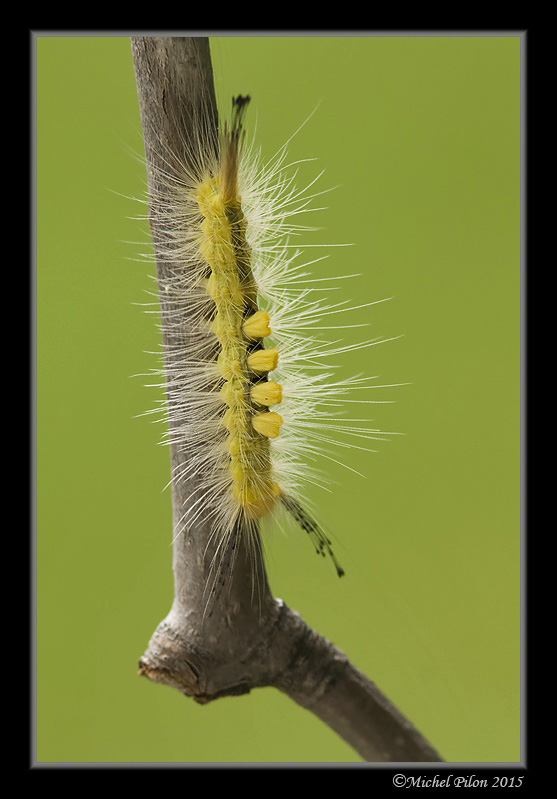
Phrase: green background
[421,137]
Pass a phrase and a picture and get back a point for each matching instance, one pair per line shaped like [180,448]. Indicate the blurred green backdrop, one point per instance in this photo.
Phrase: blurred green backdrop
[420,135]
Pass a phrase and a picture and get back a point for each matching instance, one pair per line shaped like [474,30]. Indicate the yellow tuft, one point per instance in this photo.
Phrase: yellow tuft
[263,360]
[257,325]
[267,393]
[268,424]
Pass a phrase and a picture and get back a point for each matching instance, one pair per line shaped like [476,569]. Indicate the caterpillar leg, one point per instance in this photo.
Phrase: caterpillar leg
[318,538]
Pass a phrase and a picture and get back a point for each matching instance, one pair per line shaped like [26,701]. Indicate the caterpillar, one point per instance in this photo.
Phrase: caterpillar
[251,395]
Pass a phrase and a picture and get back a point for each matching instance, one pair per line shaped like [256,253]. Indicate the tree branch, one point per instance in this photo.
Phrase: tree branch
[244,643]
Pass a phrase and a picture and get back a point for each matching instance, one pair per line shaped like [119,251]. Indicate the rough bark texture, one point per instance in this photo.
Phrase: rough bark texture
[243,644]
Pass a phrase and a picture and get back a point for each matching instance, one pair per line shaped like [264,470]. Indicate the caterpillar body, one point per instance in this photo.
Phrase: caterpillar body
[250,396]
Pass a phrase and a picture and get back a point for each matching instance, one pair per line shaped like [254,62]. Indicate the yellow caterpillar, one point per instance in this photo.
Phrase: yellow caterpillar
[250,395]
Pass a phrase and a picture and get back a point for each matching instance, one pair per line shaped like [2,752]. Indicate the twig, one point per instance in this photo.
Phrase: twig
[244,643]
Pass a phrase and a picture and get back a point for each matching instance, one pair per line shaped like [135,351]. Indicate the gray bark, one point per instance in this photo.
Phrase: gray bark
[244,643]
